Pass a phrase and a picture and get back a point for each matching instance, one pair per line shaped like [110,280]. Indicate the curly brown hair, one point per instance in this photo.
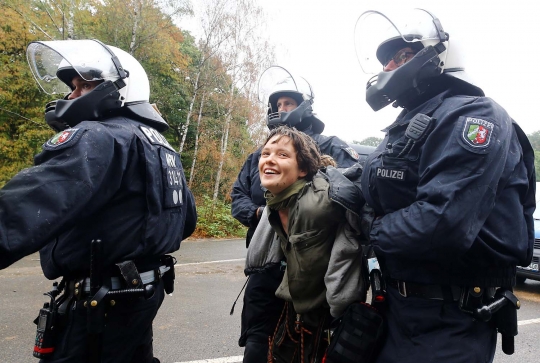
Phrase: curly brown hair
[308,156]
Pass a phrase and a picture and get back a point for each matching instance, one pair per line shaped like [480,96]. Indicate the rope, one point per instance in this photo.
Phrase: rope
[270,357]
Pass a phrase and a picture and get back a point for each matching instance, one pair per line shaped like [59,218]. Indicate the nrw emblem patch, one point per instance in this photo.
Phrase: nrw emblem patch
[62,138]
[477,132]
[352,152]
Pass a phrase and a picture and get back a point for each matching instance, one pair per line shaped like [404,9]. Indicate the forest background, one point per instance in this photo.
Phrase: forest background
[205,88]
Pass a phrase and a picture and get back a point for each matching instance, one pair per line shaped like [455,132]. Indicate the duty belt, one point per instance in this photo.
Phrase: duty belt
[119,282]
[432,292]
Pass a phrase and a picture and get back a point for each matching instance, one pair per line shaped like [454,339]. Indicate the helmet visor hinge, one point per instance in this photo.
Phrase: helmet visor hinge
[439,48]
[119,83]
[121,72]
[443,36]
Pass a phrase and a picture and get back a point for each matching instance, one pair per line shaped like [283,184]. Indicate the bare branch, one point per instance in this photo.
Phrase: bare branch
[29,20]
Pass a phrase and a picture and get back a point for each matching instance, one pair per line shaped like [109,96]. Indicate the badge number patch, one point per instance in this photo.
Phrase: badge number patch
[62,138]
[477,132]
[173,179]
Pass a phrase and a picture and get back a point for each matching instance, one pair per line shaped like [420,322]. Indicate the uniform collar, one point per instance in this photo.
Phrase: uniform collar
[426,108]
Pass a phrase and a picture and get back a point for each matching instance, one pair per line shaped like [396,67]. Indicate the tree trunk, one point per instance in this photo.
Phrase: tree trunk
[70,19]
[184,129]
[137,12]
[196,149]
[224,141]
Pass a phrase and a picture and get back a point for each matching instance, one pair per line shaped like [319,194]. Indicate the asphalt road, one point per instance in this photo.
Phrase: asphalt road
[194,324]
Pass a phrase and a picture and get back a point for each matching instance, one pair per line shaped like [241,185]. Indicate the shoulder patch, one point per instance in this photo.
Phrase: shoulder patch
[352,152]
[63,139]
[476,133]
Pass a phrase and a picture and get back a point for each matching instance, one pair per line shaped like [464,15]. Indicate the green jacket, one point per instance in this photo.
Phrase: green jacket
[322,251]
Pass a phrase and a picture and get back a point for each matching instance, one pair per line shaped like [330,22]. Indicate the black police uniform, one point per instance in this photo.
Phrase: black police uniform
[454,210]
[262,308]
[117,180]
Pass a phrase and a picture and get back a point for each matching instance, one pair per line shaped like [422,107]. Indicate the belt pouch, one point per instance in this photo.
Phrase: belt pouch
[169,276]
[358,337]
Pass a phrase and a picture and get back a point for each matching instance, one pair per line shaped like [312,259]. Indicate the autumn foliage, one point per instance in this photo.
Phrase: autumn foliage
[205,85]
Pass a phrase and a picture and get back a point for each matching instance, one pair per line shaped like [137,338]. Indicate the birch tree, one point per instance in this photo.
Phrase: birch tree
[246,54]
[213,36]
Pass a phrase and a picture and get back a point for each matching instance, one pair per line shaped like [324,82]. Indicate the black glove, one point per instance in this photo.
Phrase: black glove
[367,217]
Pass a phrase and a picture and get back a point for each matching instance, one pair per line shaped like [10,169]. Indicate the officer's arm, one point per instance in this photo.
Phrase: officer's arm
[456,191]
[191,213]
[67,185]
[243,208]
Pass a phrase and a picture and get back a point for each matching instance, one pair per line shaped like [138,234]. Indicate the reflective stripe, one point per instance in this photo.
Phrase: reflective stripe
[117,282]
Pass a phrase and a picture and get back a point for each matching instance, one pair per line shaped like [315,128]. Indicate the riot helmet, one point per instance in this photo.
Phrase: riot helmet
[277,82]
[430,53]
[124,83]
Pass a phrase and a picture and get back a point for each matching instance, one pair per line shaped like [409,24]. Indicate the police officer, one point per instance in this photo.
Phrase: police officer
[289,100]
[449,172]
[109,177]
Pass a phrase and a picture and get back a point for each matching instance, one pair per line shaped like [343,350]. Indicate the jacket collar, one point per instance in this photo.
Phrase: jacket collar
[426,108]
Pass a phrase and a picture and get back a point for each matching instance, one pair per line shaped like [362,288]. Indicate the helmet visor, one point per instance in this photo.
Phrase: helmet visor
[277,79]
[89,58]
[378,37]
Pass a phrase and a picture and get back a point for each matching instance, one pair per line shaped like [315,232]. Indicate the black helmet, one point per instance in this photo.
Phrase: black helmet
[277,82]
[378,38]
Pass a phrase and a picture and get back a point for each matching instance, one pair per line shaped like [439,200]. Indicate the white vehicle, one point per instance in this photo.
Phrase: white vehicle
[531,271]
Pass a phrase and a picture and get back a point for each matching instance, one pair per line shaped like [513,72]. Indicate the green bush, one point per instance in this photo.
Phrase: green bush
[215,221]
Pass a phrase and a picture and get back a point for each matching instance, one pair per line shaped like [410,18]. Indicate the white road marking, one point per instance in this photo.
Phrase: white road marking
[530,321]
[235,359]
[205,262]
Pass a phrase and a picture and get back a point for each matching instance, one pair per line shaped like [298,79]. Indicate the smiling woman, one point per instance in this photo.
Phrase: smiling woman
[323,274]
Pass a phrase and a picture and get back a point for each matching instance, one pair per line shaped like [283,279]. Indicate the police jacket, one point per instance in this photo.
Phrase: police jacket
[454,205]
[322,247]
[247,194]
[117,180]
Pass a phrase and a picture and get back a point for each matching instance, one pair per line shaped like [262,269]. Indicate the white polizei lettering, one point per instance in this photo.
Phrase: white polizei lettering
[396,174]
[481,122]
[161,138]
[148,133]
[158,136]
[155,137]
[390,174]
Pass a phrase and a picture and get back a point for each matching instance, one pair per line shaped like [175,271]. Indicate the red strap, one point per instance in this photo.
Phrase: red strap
[43,350]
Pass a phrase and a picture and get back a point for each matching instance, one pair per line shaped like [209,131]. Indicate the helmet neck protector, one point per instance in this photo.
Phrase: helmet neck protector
[90,107]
